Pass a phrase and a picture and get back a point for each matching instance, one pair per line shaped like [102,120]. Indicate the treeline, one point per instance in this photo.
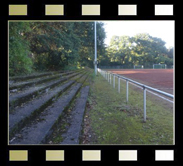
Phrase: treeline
[42,46]
[141,49]
[46,46]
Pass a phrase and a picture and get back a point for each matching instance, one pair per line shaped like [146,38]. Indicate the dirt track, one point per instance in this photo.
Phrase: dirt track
[157,78]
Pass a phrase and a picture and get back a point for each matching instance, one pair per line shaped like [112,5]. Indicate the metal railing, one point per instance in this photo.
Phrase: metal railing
[108,76]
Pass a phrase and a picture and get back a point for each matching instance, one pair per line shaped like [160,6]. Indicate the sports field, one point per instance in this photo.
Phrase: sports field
[161,79]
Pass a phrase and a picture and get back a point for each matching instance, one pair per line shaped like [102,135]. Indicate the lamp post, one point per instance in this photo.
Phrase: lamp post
[95,36]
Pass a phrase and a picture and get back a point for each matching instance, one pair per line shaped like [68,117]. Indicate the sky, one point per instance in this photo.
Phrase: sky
[161,29]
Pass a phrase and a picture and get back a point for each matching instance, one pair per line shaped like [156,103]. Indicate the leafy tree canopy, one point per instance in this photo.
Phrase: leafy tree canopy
[40,46]
[141,49]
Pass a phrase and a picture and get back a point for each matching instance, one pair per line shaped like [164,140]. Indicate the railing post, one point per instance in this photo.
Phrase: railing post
[118,84]
[104,73]
[144,89]
[126,90]
[113,81]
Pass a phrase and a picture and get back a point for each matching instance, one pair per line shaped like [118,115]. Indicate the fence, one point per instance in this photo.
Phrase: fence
[117,67]
[145,66]
[108,76]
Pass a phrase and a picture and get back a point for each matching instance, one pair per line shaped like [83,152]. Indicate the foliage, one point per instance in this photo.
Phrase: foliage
[141,49]
[86,50]
[54,45]
[42,46]
[19,61]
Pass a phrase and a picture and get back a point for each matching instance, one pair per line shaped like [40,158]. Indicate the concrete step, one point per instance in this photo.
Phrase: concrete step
[32,76]
[28,83]
[73,132]
[27,95]
[21,115]
[39,129]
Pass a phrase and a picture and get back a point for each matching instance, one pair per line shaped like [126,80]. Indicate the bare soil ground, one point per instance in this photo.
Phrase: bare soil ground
[161,79]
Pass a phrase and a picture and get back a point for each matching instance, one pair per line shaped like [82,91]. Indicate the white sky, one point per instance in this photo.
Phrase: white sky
[161,29]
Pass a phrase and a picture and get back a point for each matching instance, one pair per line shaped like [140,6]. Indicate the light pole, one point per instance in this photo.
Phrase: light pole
[95,36]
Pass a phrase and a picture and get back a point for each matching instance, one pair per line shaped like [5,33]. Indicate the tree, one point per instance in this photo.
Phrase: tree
[141,49]
[19,51]
[55,42]
[54,45]
[120,50]
[86,50]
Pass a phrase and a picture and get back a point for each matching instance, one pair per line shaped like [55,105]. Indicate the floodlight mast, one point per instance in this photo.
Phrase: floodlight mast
[95,36]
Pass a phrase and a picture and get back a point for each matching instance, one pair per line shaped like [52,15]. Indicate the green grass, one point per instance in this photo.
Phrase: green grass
[114,121]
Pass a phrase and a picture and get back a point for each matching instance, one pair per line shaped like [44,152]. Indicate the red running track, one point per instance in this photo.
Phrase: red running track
[161,79]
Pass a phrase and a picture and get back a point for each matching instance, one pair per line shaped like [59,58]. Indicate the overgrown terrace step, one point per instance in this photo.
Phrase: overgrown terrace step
[22,115]
[40,128]
[36,132]
[73,133]
[17,99]
[32,76]
[21,85]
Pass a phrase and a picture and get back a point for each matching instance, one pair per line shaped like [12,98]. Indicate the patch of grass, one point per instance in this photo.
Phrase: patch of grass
[114,121]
